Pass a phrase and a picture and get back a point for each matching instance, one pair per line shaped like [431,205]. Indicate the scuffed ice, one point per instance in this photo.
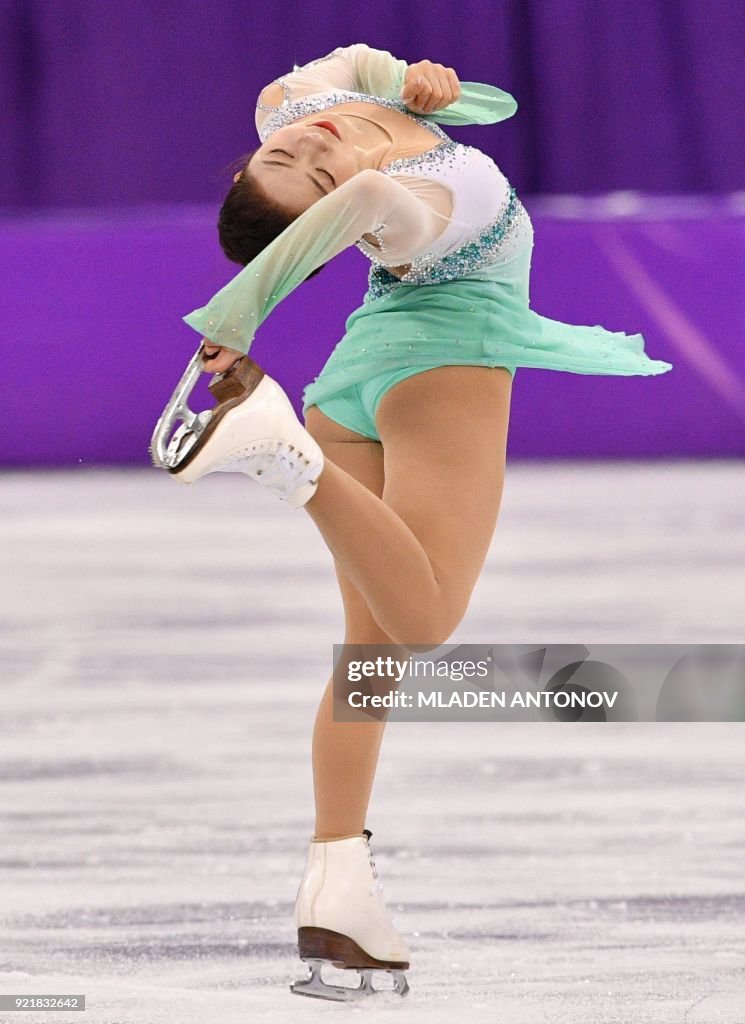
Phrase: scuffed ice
[163,651]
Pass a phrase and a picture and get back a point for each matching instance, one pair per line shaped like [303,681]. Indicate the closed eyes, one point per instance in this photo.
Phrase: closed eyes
[320,170]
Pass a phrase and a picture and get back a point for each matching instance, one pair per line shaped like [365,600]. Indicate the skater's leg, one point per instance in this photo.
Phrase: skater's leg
[415,552]
[345,754]
[340,910]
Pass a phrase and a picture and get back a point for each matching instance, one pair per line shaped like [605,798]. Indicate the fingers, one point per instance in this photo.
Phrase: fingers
[217,358]
[429,87]
[453,84]
[429,96]
[411,85]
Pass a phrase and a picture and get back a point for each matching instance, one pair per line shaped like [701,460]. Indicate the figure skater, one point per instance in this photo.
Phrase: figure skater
[401,461]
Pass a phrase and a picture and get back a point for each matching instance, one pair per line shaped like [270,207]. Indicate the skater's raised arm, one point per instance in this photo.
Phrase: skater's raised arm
[424,86]
[369,201]
[355,68]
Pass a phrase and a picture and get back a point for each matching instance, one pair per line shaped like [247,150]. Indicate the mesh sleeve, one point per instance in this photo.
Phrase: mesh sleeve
[355,68]
[369,202]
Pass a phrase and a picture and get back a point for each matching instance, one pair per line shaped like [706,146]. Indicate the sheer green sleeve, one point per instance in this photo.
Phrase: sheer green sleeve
[377,72]
[355,68]
[361,68]
[368,202]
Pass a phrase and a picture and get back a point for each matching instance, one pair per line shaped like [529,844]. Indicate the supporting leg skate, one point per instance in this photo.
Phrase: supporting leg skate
[317,988]
[342,920]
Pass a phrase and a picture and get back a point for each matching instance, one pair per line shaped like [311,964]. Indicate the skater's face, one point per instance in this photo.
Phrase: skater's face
[302,162]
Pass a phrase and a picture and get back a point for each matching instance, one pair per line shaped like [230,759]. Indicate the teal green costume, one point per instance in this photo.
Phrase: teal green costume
[467,305]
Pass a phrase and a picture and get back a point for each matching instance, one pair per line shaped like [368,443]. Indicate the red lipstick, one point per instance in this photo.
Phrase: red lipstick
[328,126]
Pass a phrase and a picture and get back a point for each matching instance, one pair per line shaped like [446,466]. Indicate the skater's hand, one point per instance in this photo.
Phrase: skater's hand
[218,358]
[429,87]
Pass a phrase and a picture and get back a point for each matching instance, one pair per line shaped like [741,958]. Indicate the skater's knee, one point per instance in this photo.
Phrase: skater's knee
[422,648]
[416,626]
[423,629]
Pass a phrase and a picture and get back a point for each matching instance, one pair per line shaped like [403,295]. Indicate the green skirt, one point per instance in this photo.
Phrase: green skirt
[481,319]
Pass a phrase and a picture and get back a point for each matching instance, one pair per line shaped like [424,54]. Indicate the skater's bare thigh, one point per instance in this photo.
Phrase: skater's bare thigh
[444,435]
[362,458]
[440,466]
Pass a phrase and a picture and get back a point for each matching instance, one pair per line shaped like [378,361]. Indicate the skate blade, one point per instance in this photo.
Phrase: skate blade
[315,987]
[173,451]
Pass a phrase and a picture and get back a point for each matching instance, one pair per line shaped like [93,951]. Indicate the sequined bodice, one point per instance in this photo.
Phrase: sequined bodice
[292,110]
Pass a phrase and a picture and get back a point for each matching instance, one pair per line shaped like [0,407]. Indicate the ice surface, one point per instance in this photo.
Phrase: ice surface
[163,650]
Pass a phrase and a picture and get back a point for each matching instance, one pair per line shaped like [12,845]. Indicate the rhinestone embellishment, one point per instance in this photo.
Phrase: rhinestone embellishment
[445,152]
[296,67]
[483,249]
[293,110]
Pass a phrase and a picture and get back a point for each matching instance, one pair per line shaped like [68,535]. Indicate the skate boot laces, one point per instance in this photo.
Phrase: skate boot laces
[275,464]
[377,886]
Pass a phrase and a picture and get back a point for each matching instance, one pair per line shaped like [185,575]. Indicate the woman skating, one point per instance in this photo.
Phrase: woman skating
[401,461]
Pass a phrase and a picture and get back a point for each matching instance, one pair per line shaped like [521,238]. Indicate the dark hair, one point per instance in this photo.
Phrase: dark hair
[249,219]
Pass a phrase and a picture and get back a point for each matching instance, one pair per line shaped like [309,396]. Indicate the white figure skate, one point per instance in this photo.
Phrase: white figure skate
[342,919]
[252,429]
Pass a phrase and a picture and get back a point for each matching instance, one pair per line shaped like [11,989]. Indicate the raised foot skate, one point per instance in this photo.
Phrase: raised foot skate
[252,430]
[319,946]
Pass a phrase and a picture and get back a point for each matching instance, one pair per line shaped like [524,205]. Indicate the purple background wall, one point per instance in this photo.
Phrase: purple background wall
[96,344]
[128,102]
[124,115]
